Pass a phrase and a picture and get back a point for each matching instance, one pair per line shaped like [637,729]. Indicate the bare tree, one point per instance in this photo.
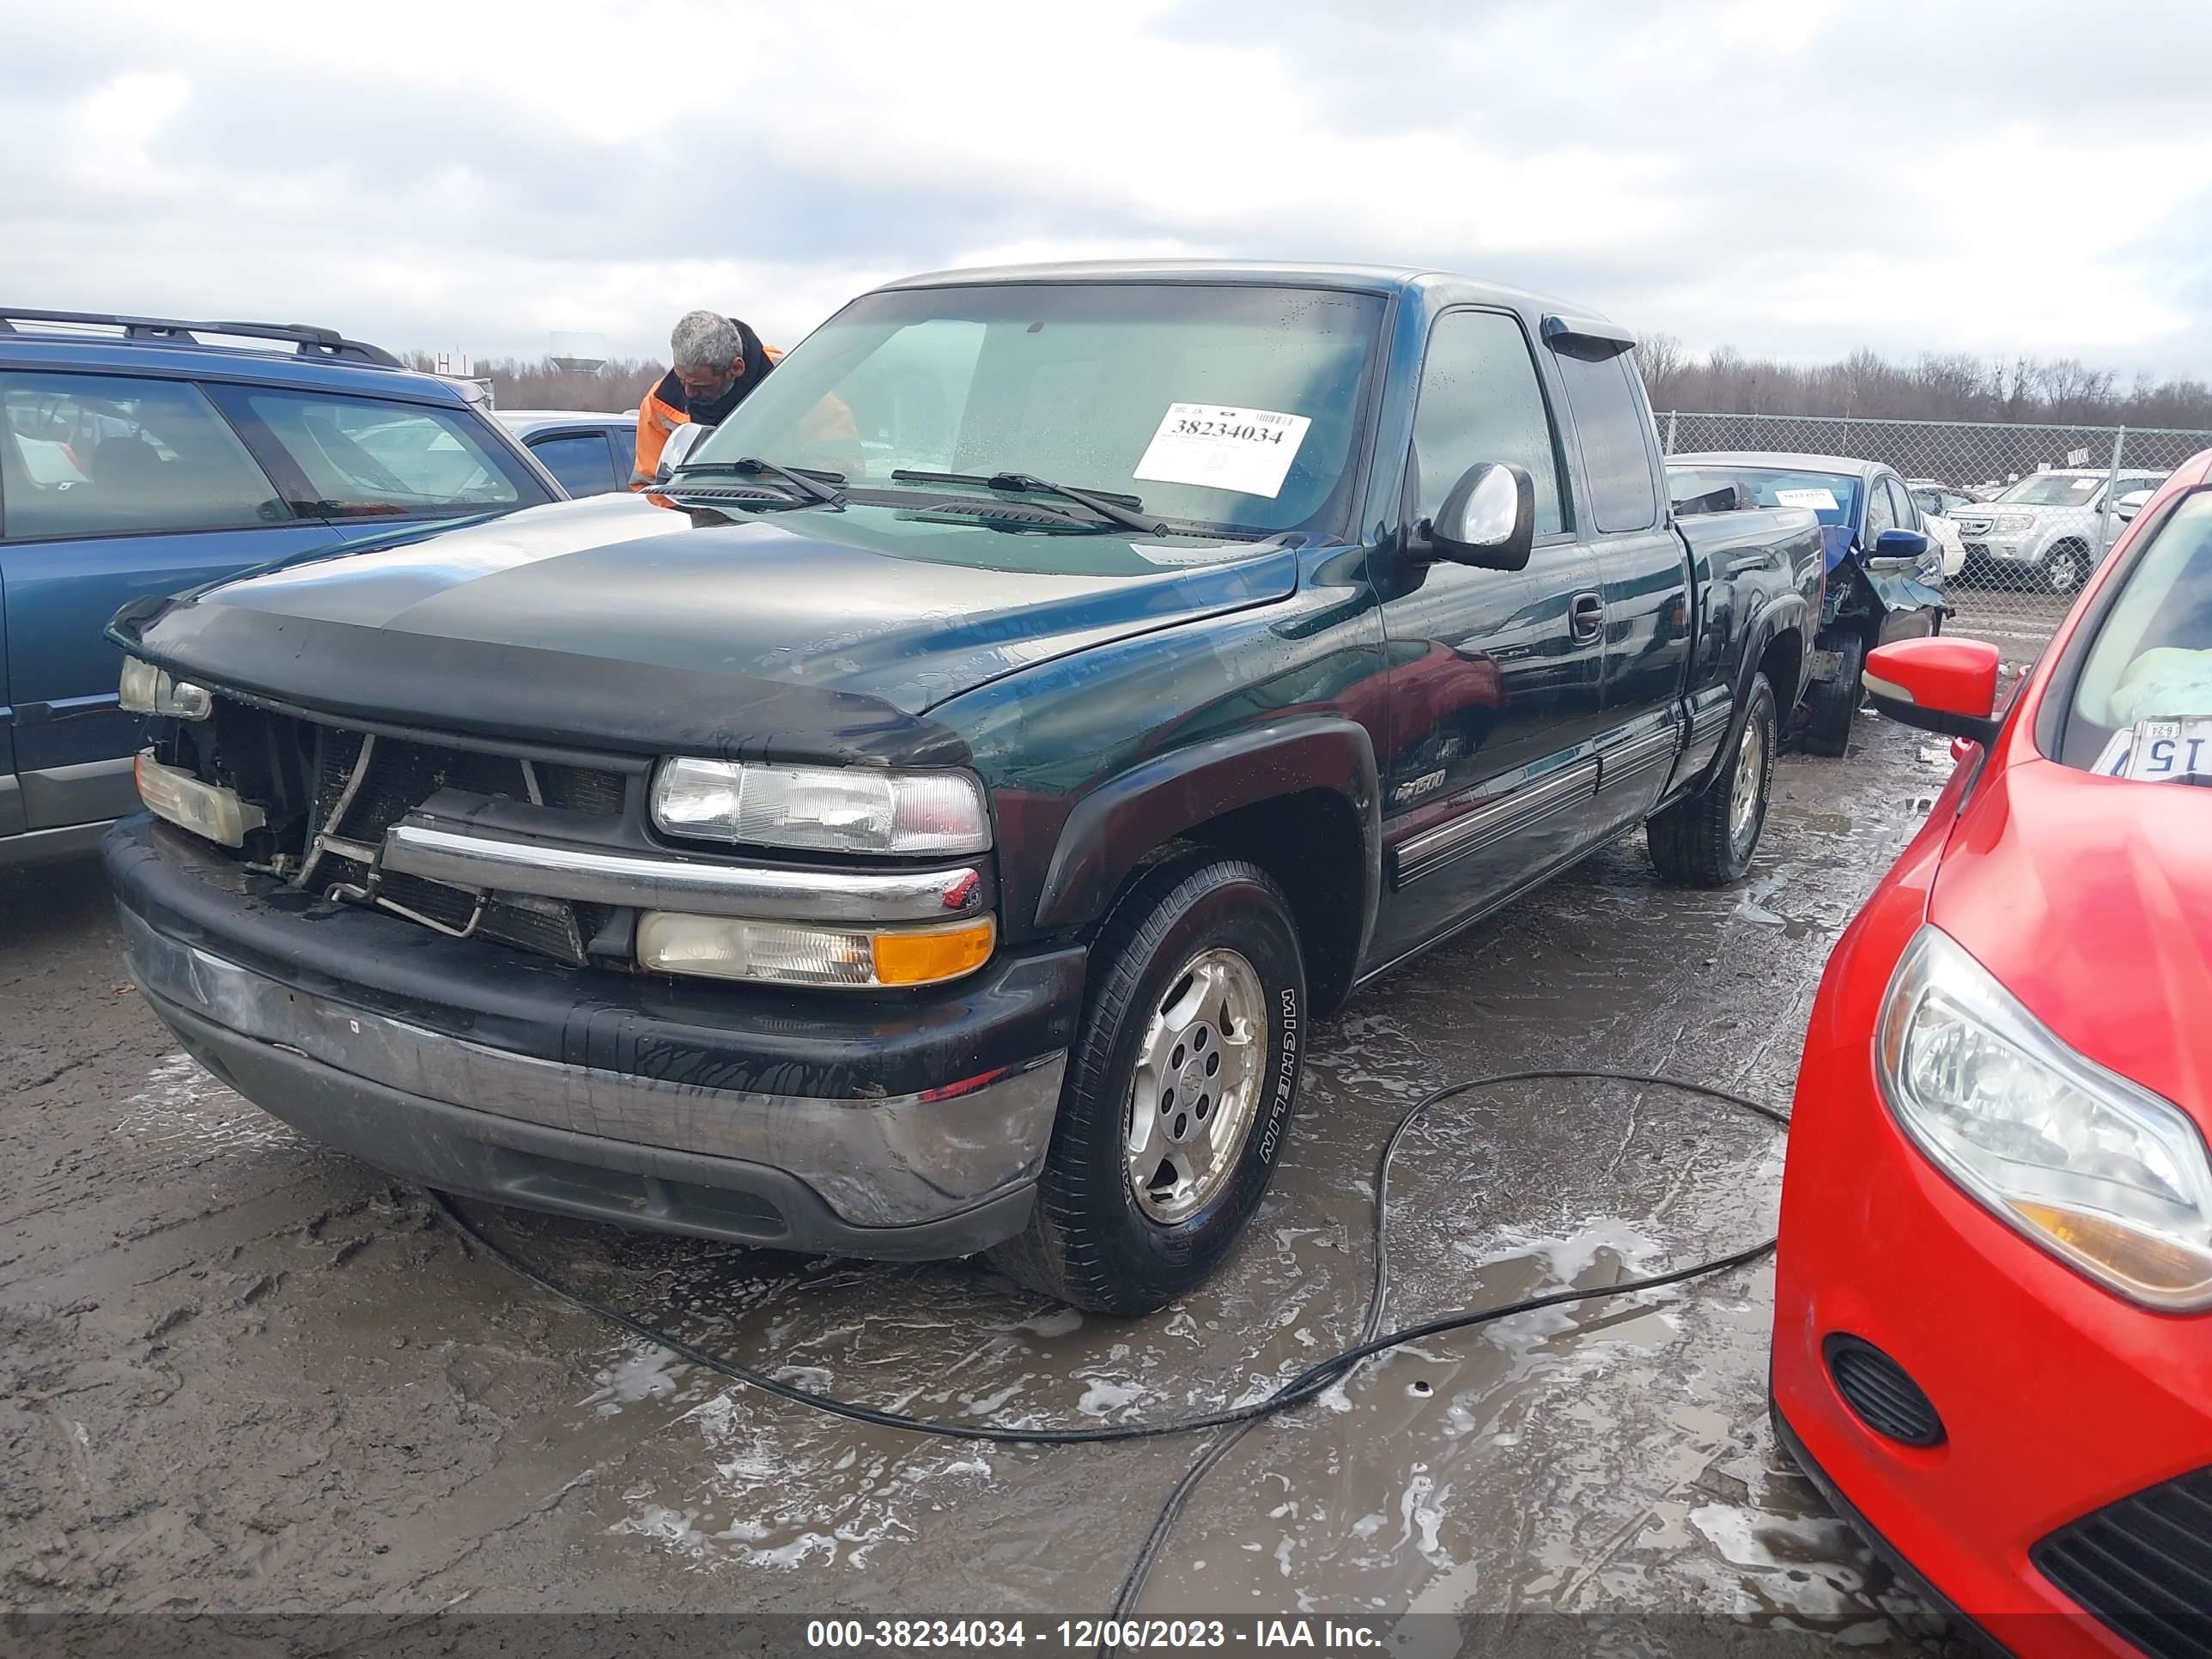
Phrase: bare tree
[517,383]
[1936,387]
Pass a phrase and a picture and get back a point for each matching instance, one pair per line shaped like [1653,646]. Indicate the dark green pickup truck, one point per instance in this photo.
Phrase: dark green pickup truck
[932,819]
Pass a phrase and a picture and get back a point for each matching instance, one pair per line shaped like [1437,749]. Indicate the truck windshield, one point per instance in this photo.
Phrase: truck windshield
[1832,496]
[2151,659]
[1216,406]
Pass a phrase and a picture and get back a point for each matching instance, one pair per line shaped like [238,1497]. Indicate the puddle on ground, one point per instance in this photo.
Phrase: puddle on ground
[185,1112]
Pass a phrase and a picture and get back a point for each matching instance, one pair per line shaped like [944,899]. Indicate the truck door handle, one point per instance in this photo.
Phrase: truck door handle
[1586,616]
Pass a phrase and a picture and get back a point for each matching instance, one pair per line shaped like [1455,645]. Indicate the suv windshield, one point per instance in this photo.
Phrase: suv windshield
[1833,496]
[2055,490]
[1217,405]
[2151,658]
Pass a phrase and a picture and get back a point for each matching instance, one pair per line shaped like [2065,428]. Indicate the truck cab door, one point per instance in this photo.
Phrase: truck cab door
[1493,674]
[112,488]
[1643,567]
[11,789]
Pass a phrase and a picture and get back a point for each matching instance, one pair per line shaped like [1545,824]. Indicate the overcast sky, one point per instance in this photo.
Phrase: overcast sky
[1787,176]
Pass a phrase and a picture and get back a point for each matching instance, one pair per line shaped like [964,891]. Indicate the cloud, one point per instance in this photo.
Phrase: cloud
[1801,181]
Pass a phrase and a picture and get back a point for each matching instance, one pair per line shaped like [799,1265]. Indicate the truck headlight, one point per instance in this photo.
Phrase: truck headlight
[2096,1170]
[826,809]
[788,953]
[146,690]
[2013,523]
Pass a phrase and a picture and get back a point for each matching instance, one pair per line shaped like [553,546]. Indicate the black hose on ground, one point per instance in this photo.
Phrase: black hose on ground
[1239,1419]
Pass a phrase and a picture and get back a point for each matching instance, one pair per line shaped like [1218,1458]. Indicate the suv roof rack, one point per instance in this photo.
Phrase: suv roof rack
[307,340]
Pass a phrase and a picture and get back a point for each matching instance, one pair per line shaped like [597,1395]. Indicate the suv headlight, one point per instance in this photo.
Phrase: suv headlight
[2013,523]
[2096,1170]
[146,690]
[826,809]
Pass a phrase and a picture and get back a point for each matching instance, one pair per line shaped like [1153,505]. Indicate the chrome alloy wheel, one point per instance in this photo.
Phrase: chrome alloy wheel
[1743,787]
[1197,1085]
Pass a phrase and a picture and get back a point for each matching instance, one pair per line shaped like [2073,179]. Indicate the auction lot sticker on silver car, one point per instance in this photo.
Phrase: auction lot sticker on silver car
[1247,450]
[2156,751]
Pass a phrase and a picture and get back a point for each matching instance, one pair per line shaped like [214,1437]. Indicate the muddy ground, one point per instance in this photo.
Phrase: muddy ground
[240,1373]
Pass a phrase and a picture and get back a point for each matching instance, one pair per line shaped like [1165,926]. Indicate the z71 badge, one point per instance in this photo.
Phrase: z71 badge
[1414,787]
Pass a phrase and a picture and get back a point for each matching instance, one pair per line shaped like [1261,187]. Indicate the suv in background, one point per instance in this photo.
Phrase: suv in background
[139,457]
[2050,526]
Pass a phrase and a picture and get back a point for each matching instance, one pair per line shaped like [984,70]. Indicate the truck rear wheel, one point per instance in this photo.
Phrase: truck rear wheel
[1831,705]
[1179,1092]
[1707,841]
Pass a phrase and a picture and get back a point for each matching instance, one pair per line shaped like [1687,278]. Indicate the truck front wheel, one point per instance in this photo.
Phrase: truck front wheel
[1179,1090]
[1707,841]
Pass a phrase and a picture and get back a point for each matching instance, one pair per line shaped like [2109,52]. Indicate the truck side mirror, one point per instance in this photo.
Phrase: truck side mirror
[1488,521]
[681,442]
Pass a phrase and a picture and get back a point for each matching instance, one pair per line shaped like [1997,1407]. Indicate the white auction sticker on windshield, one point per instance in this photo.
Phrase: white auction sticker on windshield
[2157,751]
[1248,451]
[1821,501]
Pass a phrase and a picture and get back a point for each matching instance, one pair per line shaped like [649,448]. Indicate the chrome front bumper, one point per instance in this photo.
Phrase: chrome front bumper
[893,1175]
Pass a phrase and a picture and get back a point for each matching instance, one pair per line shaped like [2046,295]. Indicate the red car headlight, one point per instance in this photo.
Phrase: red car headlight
[2096,1170]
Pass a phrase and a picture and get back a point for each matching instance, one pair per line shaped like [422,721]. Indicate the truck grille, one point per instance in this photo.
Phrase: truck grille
[400,775]
[348,805]
[2143,1565]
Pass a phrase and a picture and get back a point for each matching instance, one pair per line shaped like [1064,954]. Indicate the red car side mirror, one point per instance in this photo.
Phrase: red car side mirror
[1939,684]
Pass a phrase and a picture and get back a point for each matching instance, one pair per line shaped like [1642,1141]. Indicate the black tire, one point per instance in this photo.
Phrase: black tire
[1091,1240]
[2065,568]
[1831,705]
[1704,842]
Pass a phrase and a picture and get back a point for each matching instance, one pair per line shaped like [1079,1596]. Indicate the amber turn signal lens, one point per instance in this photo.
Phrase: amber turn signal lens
[926,956]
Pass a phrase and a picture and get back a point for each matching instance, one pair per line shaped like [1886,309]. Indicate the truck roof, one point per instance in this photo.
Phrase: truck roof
[1781,458]
[1366,279]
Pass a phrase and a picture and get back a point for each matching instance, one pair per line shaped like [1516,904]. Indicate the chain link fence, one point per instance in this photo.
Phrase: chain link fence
[2024,513]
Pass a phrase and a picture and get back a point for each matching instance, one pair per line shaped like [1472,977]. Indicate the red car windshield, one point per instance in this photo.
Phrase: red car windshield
[2151,658]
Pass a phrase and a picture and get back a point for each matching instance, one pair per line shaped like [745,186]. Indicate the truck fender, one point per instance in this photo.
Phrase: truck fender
[1116,824]
[1785,613]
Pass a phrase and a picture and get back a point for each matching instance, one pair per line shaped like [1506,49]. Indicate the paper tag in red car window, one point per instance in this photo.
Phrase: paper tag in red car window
[2158,752]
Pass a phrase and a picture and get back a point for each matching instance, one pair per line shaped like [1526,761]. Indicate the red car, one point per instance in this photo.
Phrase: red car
[1993,1303]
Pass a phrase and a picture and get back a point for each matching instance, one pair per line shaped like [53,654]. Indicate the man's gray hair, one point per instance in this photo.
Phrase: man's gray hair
[704,339]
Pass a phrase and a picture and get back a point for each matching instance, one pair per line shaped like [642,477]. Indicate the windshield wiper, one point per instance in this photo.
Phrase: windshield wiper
[1106,506]
[750,466]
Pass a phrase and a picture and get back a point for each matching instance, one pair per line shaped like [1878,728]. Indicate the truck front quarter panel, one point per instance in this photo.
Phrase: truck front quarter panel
[1096,760]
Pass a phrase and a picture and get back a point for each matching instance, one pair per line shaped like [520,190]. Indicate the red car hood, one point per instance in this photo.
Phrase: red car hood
[2091,899]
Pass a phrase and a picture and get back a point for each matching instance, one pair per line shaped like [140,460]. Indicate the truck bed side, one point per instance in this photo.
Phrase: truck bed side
[1756,597]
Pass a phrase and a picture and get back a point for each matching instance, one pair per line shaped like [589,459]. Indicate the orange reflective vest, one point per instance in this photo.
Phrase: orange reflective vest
[664,408]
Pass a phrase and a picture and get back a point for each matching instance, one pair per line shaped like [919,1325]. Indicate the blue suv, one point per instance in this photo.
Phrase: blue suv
[140,456]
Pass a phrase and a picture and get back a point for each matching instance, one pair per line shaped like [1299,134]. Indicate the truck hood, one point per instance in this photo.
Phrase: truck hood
[2068,887]
[624,621]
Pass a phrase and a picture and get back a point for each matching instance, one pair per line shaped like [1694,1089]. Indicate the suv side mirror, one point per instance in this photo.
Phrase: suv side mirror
[1938,683]
[1901,544]
[1489,519]
[2131,504]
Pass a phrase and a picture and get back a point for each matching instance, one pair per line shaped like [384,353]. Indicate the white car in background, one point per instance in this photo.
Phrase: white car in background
[1937,502]
[2050,527]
